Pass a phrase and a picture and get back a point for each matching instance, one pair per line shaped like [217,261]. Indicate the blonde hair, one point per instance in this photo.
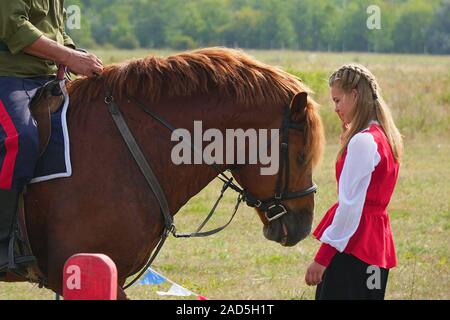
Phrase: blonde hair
[369,105]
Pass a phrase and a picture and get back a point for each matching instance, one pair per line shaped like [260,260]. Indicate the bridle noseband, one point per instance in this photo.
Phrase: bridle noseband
[272,207]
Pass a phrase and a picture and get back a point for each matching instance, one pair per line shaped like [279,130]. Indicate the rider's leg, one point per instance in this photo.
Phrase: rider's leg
[19,151]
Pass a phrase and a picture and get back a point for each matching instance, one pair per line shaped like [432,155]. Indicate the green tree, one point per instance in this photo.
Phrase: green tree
[315,23]
[149,23]
[326,25]
[277,29]
[409,34]
[380,40]
[216,15]
[353,31]
[438,35]
[243,28]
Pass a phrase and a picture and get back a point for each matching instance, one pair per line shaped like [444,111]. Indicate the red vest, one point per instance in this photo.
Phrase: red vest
[372,242]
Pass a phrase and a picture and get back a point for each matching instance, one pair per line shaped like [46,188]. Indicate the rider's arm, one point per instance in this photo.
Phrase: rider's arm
[79,62]
[16,31]
[19,34]
[48,49]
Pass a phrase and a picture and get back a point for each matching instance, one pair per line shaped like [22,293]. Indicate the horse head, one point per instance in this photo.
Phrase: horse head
[288,206]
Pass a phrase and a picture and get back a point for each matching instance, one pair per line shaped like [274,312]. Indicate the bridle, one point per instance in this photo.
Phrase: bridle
[272,207]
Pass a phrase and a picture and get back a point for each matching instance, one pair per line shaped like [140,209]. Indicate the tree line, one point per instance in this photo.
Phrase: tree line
[404,26]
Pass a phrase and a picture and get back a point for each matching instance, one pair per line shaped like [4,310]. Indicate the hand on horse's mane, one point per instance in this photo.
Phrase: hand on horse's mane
[86,64]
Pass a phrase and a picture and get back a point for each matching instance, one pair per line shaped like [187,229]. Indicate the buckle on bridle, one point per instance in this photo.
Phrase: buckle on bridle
[278,215]
[109,99]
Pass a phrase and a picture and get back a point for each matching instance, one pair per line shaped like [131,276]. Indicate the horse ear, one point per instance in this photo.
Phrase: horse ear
[298,107]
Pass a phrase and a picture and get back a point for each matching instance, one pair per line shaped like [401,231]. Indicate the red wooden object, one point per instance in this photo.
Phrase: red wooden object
[90,277]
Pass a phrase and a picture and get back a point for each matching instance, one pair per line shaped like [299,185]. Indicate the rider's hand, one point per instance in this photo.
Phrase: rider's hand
[86,64]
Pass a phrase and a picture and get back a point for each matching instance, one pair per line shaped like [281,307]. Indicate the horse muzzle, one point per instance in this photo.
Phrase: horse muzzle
[289,229]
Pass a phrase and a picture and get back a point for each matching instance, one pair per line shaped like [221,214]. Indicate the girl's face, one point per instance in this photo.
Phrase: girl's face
[344,103]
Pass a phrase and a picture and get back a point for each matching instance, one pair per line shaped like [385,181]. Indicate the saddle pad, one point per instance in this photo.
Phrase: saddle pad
[55,161]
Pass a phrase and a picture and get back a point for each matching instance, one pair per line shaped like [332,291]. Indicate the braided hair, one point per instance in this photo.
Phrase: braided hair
[350,76]
[369,105]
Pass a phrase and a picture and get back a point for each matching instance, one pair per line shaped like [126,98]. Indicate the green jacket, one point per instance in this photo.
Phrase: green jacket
[22,22]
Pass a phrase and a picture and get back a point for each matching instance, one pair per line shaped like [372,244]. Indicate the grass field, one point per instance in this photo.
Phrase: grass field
[239,263]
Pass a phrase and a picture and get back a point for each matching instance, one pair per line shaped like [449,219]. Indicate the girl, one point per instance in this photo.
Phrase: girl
[357,248]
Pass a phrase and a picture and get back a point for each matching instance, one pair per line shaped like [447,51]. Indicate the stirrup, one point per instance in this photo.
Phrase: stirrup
[16,261]
[19,263]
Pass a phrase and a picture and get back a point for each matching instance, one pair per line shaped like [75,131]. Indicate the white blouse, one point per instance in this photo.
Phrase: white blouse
[361,160]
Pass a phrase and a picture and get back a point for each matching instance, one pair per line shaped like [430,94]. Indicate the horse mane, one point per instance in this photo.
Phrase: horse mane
[230,73]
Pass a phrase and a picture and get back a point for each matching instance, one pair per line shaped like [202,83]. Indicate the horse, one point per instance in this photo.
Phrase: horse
[107,207]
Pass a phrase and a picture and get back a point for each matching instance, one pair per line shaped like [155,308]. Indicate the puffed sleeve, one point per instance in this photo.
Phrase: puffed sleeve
[16,31]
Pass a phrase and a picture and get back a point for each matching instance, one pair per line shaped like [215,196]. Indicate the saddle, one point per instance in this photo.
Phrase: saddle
[47,100]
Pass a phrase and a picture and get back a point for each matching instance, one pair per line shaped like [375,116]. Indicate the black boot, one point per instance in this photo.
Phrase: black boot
[8,211]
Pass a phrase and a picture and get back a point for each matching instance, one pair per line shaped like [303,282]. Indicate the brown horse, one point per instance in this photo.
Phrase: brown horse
[106,206]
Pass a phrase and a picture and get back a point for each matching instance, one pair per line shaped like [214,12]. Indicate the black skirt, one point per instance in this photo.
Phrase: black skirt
[348,278]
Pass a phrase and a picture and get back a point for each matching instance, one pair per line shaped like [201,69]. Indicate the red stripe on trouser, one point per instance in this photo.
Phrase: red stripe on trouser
[11,146]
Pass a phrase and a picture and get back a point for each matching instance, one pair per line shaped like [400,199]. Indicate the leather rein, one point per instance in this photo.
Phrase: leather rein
[272,207]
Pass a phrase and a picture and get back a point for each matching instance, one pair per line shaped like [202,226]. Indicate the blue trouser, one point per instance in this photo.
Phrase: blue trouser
[19,140]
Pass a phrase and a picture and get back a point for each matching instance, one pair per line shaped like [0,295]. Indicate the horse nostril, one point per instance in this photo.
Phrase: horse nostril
[273,231]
